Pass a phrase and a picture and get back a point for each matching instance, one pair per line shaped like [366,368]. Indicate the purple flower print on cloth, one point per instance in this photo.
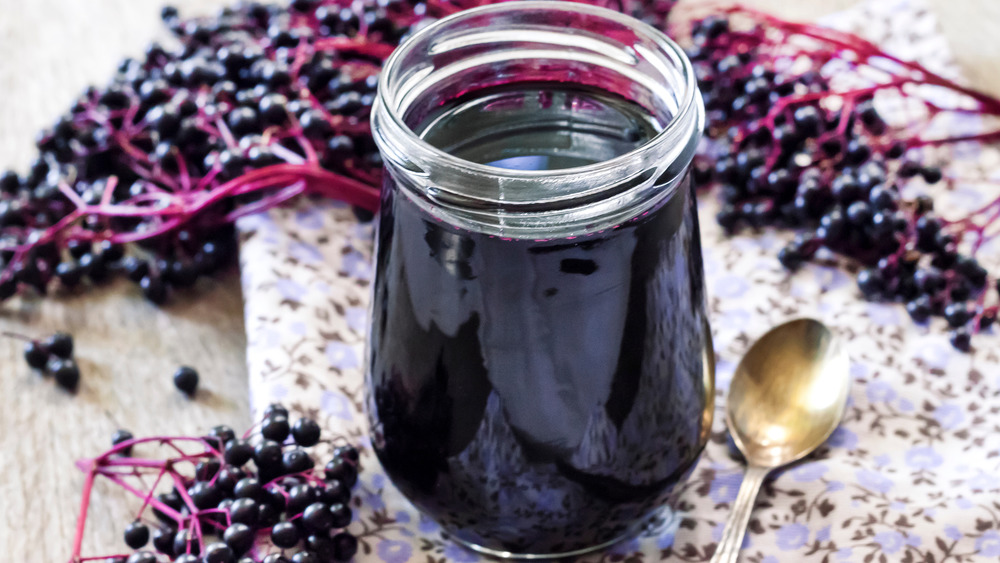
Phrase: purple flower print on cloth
[394,551]
[290,290]
[873,480]
[891,542]
[305,253]
[309,218]
[792,536]
[843,437]
[335,404]
[459,554]
[879,391]
[808,472]
[949,416]
[341,356]
[725,487]
[988,545]
[923,458]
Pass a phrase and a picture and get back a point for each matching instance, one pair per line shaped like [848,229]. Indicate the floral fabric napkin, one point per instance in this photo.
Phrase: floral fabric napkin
[911,474]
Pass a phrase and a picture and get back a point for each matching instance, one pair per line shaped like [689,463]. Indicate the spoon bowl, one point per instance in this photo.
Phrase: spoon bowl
[786,397]
[788,393]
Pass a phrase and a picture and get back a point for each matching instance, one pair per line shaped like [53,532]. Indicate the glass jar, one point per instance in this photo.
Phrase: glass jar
[539,362]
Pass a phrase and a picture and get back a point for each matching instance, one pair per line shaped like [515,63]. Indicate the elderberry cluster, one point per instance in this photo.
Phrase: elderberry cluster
[53,356]
[240,91]
[791,160]
[251,490]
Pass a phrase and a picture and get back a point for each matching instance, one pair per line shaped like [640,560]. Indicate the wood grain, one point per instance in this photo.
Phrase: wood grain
[128,349]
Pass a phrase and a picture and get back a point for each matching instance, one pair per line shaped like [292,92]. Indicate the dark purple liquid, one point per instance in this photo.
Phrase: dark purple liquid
[539,397]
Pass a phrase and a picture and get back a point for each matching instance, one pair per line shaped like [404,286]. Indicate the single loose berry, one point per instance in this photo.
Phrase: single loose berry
[186,380]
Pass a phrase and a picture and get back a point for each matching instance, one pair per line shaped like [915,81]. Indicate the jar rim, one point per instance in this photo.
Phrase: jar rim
[688,102]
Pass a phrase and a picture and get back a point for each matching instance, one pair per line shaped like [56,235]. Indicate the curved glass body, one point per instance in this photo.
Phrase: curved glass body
[539,362]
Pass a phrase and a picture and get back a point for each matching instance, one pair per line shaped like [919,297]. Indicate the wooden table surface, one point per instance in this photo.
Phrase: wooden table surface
[128,349]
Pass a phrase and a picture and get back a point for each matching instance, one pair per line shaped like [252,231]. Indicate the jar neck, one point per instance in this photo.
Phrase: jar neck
[537,42]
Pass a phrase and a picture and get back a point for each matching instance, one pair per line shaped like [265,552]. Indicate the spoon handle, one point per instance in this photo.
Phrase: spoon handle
[728,550]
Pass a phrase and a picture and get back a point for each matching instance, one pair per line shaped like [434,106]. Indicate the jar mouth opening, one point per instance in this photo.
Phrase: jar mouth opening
[392,105]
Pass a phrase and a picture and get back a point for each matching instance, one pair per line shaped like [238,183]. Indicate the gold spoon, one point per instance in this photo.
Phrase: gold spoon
[786,397]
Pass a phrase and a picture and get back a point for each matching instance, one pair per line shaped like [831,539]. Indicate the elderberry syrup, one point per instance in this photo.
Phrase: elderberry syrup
[539,361]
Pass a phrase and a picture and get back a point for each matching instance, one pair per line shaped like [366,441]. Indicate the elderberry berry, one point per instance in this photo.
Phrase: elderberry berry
[59,344]
[136,535]
[957,314]
[306,432]
[186,380]
[185,543]
[920,309]
[341,470]
[239,537]
[345,546]
[275,428]
[218,552]
[244,511]
[35,354]
[285,534]
[163,540]
[64,371]
[961,339]
[238,452]
[142,557]
[121,436]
